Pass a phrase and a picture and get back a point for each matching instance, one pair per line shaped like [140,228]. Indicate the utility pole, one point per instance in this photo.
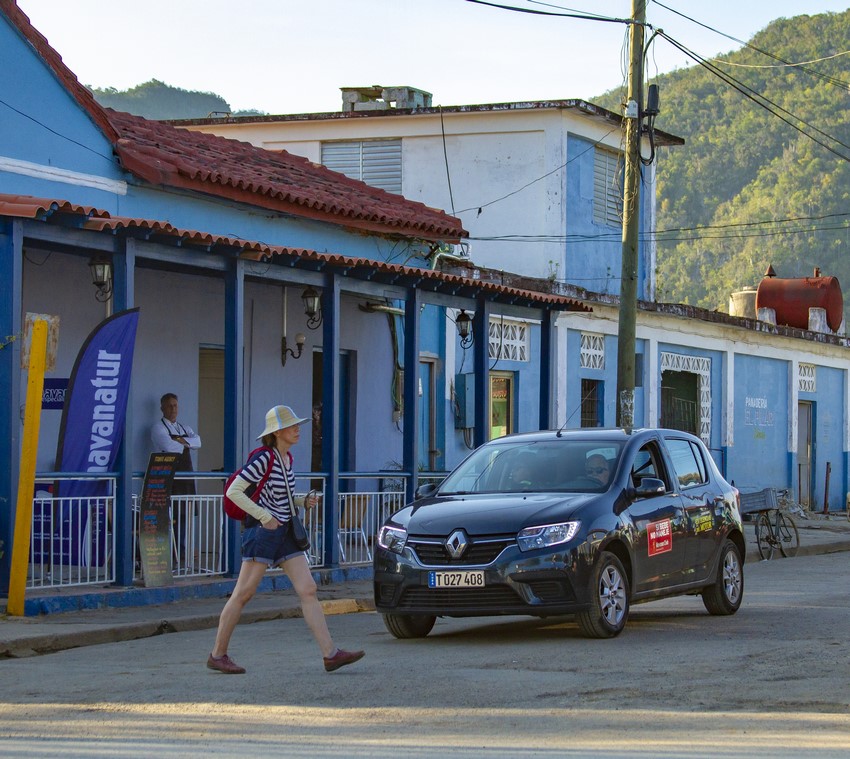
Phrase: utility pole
[631,223]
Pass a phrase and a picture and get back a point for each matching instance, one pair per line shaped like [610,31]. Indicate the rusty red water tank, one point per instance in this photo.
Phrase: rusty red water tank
[792,299]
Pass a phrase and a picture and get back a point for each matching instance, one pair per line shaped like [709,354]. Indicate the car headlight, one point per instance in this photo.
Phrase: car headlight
[546,535]
[392,538]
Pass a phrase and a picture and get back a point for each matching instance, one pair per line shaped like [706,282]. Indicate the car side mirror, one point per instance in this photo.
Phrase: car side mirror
[423,491]
[650,487]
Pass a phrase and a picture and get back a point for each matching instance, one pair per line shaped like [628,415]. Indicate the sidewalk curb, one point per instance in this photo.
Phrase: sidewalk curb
[118,633]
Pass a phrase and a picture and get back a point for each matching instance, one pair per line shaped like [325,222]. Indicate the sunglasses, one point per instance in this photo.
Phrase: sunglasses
[596,469]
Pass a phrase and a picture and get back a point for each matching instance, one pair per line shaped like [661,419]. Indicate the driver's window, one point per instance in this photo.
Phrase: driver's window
[647,464]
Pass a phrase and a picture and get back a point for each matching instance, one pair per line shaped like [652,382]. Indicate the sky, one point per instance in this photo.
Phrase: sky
[293,56]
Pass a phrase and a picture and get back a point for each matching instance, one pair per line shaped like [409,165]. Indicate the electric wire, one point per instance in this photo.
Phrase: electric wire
[111,159]
[582,16]
[812,72]
[538,179]
[446,158]
[761,100]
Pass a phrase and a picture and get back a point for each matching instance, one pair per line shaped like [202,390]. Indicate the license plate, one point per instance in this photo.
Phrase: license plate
[466,579]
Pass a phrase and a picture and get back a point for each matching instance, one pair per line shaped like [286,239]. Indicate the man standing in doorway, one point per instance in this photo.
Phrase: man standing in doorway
[170,436]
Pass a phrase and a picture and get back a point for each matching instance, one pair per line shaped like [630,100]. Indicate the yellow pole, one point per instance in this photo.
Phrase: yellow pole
[26,477]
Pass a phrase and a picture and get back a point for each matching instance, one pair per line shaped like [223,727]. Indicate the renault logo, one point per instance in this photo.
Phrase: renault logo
[456,544]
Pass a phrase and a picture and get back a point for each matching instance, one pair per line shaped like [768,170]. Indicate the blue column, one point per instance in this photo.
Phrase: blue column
[234,309]
[481,364]
[410,443]
[11,284]
[123,278]
[330,417]
[547,360]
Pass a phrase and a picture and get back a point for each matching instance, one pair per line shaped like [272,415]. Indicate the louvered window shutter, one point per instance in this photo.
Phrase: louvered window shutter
[607,188]
[375,162]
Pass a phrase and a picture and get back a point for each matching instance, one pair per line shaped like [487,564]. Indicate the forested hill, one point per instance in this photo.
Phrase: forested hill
[157,100]
[756,189]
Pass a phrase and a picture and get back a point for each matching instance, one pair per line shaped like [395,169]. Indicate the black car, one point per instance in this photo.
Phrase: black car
[582,522]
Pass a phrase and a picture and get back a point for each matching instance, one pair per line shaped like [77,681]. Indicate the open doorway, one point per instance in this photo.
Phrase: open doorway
[805,418]
[345,433]
[211,414]
[680,401]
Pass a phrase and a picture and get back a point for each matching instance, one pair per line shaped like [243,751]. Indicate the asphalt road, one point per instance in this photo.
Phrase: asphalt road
[769,681]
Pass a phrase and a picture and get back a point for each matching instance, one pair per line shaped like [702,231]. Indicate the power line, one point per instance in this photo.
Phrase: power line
[760,99]
[811,72]
[534,181]
[582,16]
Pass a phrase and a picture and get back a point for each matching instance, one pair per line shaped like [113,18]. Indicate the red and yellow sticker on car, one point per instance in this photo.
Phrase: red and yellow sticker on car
[659,537]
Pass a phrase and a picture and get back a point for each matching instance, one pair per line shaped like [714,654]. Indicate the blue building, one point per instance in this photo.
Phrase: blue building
[225,248]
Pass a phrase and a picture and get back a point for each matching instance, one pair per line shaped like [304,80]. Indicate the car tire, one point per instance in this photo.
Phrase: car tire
[409,625]
[724,596]
[609,599]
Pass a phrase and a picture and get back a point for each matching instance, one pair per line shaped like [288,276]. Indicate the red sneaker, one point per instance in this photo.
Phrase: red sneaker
[341,658]
[225,664]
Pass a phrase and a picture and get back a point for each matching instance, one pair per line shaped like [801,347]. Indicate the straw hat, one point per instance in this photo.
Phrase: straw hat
[279,418]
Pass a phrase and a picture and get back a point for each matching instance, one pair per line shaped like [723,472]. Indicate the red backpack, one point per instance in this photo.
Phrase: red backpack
[230,508]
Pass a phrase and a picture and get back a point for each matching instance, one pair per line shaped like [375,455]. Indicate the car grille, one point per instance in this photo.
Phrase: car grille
[446,599]
[435,554]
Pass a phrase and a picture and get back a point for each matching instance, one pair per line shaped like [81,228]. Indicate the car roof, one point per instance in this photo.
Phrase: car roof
[594,434]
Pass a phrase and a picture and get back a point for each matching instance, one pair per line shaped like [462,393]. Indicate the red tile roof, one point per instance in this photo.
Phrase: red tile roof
[164,155]
[97,220]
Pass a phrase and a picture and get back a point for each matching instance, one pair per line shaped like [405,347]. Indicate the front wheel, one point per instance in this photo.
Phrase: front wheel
[725,595]
[789,538]
[609,599]
[409,625]
[764,536]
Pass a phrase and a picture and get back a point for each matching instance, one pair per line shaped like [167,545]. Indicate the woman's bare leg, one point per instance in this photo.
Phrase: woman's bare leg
[298,571]
[249,578]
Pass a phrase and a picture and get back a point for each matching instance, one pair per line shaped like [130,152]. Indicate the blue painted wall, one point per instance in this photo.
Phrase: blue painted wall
[41,123]
[594,262]
[575,374]
[828,422]
[759,457]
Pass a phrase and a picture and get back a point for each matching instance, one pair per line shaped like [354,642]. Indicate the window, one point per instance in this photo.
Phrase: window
[607,188]
[648,463]
[687,463]
[806,378]
[501,404]
[375,162]
[591,403]
[592,351]
[508,340]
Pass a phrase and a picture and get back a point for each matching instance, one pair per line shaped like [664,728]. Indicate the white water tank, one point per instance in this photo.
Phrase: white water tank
[743,303]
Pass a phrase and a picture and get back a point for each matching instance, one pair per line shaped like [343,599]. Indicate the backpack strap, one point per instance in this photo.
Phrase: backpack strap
[265,478]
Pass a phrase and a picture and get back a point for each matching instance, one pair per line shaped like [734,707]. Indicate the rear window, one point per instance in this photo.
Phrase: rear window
[688,463]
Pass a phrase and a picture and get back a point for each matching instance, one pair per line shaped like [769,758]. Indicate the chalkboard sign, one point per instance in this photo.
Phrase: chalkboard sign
[155,520]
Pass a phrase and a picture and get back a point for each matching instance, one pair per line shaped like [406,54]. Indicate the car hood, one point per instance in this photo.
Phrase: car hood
[488,514]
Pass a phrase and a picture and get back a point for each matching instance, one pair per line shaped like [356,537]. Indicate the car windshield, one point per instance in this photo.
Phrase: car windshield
[558,465]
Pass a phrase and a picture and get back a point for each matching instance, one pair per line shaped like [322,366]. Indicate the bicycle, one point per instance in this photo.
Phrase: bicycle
[781,533]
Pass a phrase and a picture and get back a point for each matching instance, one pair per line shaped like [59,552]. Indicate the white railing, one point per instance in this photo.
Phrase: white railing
[198,539]
[71,540]
[361,513]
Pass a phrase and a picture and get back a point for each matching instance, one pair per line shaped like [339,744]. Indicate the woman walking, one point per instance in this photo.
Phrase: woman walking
[267,542]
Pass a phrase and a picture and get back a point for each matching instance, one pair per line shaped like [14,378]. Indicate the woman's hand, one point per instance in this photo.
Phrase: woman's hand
[311,499]
[272,524]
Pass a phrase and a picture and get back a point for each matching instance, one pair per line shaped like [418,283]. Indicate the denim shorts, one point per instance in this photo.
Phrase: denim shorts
[272,547]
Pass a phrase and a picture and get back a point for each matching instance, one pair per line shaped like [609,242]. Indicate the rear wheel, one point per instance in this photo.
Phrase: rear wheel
[609,599]
[764,536]
[409,625]
[789,538]
[725,595]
